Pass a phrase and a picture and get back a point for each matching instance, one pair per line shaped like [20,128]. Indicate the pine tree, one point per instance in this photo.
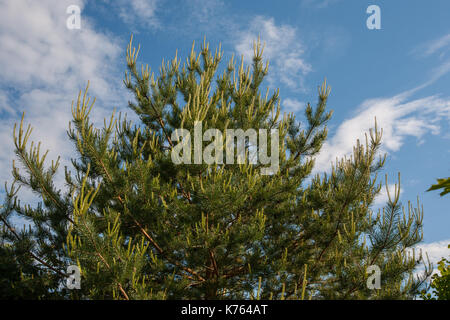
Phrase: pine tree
[140,226]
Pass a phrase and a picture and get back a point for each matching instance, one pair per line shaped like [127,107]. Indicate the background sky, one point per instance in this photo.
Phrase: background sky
[398,74]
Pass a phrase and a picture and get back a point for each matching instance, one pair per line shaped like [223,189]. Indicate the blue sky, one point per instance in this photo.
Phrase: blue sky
[400,73]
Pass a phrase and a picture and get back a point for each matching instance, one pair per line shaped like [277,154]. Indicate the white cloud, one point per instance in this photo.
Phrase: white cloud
[439,71]
[437,48]
[318,3]
[398,117]
[4,104]
[283,48]
[44,65]
[37,48]
[382,198]
[292,105]
[435,250]
[142,12]
[203,11]
[437,44]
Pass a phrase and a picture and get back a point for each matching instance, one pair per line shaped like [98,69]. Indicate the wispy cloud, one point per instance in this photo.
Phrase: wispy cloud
[139,12]
[292,105]
[194,19]
[439,46]
[318,3]
[398,116]
[204,11]
[180,17]
[4,104]
[435,251]
[382,198]
[283,48]
[43,65]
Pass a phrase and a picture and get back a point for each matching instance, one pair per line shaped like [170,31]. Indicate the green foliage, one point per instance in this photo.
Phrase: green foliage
[22,279]
[440,283]
[442,184]
[140,227]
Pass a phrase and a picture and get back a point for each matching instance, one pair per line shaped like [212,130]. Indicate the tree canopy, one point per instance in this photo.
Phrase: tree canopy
[139,226]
